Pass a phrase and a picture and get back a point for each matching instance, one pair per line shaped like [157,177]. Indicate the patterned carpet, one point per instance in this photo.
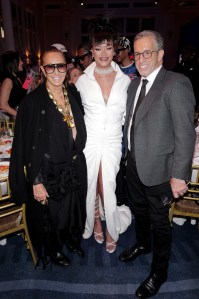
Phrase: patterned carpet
[100,275]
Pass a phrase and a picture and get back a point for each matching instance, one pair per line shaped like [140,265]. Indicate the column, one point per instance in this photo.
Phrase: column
[7,25]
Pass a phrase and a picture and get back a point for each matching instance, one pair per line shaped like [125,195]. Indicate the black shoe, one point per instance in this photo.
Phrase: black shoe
[60,259]
[151,285]
[131,253]
[74,247]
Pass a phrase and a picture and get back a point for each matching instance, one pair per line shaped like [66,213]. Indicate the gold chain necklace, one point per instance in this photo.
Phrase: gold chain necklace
[64,110]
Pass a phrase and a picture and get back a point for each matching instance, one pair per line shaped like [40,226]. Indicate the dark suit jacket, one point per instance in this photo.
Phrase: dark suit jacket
[164,134]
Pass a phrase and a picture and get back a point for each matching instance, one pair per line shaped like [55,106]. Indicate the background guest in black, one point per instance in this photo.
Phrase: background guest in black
[159,136]
[49,139]
[11,92]
[189,66]
[84,56]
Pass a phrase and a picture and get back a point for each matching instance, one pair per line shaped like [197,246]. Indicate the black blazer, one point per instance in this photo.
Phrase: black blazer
[32,130]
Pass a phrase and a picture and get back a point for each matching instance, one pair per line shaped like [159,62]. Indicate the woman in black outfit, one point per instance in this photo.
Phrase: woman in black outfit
[11,92]
[49,139]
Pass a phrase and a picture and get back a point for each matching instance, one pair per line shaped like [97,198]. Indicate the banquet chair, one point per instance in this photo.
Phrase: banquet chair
[13,217]
[2,123]
[10,126]
[188,205]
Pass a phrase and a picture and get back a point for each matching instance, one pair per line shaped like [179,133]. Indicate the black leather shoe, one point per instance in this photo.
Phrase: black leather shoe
[60,259]
[131,253]
[150,286]
[74,247]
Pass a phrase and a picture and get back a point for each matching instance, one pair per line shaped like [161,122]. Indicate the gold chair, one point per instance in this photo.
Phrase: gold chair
[13,217]
[2,123]
[188,205]
[10,126]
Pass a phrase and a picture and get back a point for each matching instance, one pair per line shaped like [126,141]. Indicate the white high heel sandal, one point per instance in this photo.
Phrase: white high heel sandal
[110,246]
[99,236]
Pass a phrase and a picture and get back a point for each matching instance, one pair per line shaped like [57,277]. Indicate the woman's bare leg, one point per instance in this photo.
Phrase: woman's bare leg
[110,243]
[98,232]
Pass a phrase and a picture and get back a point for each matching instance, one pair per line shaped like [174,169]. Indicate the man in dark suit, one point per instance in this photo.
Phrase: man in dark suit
[159,140]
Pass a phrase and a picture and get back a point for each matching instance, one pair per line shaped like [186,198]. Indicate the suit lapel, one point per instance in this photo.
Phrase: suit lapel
[150,97]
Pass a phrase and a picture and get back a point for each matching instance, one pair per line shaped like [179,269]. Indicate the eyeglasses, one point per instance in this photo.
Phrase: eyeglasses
[146,54]
[83,56]
[50,68]
[117,51]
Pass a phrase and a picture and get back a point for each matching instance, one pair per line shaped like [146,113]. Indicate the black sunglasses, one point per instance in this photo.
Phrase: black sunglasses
[117,51]
[83,56]
[50,68]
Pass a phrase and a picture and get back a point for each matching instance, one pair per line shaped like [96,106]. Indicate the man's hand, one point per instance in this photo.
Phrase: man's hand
[178,187]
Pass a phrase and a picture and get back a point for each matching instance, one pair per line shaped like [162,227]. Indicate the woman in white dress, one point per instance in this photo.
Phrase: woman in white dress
[103,89]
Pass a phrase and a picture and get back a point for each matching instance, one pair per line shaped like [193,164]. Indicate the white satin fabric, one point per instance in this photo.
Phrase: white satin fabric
[104,138]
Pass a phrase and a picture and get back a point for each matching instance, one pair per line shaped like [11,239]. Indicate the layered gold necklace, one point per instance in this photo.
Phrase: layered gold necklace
[65,109]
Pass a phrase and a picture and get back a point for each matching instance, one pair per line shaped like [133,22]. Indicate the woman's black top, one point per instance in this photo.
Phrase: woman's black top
[17,92]
[61,171]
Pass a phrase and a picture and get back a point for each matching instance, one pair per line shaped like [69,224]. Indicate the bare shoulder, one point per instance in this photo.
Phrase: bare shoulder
[7,82]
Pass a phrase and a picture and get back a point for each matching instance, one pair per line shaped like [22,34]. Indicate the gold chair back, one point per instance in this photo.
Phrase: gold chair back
[188,205]
[13,217]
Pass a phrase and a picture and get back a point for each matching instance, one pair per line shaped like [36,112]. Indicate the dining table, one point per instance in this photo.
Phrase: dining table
[5,151]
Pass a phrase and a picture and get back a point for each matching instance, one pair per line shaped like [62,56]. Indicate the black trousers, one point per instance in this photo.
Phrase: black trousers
[151,216]
[46,240]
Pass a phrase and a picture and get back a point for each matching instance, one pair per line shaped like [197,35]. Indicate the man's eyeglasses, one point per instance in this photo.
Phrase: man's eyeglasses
[146,54]
[117,51]
[83,56]
[50,68]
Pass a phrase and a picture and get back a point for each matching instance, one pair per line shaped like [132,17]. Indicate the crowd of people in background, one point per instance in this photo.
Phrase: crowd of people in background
[18,77]
[112,105]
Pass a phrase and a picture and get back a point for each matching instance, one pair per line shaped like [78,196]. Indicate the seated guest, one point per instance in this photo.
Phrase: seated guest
[11,92]
[49,139]
[73,74]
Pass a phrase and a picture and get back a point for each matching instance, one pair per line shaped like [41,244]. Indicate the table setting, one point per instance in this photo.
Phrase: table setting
[6,139]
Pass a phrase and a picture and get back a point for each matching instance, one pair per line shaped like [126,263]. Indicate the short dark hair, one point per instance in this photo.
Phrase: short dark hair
[10,62]
[102,29]
[84,46]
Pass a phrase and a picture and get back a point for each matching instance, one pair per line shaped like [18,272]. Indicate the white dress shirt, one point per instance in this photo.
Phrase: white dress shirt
[150,79]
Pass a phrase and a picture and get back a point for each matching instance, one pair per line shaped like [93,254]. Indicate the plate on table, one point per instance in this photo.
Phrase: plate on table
[5,150]
[4,168]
